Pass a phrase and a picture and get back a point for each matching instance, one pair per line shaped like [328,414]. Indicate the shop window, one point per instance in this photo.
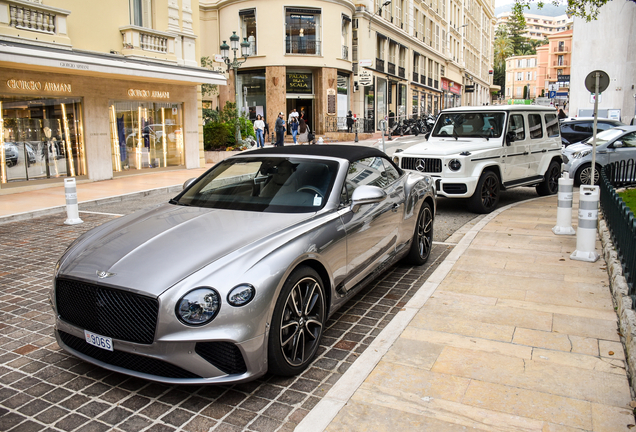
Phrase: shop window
[248,28]
[302,31]
[146,135]
[343,99]
[42,138]
[141,13]
[251,86]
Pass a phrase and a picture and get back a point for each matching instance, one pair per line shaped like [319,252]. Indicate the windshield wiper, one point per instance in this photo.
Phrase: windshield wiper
[175,202]
[455,134]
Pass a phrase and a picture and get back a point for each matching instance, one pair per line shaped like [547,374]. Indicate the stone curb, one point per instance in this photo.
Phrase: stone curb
[108,200]
[622,302]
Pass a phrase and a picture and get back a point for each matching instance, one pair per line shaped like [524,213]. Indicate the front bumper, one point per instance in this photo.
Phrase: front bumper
[172,362]
[455,187]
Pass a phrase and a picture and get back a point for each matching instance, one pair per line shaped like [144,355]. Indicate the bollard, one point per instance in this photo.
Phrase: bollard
[320,141]
[564,206]
[72,210]
[588,218]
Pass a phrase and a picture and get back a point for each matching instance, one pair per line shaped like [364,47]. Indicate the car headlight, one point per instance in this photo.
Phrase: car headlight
[396,160]
[454,165]
[581,154]
[199,306]
[241,295]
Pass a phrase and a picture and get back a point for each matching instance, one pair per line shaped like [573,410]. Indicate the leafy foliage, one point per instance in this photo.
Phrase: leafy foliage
[208,89]
[218,132]
[586,9]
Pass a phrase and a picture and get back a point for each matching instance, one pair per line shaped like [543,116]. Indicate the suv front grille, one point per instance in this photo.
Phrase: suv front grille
[107,311]
[133,362]
[424,165]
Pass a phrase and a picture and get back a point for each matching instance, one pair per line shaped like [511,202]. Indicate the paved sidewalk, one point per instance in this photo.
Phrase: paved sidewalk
[508,334]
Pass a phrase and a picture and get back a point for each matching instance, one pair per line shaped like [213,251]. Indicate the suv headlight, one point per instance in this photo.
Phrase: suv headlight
[198,307]
[396,160]
[454,165]
[581,154]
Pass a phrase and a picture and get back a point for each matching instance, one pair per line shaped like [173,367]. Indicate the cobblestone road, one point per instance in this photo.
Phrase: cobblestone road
[44,389]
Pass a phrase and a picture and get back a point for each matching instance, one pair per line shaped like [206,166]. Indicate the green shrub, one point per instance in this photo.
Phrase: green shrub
[215,136]
[219,129]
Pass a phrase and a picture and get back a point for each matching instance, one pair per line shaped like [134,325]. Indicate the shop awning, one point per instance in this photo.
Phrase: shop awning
[105,65]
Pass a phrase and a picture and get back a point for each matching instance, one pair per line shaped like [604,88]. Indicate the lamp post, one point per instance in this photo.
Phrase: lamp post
[235,64]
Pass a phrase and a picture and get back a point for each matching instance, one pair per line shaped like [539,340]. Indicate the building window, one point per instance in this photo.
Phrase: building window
[528,76]
[141,13]
[379,49]
[437,37]
[302,31]
[42,138]
[519,76]
[560,60]
[252,100]
[248,28]
[146,135]
[344,38]
[399,5]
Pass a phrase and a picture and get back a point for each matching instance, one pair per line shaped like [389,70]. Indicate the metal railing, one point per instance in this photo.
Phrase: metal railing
[619,218]
[345,52]
[339,124]
[311,47]
[379,65]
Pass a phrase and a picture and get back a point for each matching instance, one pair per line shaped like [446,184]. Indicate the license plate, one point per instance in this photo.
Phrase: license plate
[102,342]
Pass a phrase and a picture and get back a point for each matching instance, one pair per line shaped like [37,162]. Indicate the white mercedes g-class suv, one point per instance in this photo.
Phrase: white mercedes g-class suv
[475,152]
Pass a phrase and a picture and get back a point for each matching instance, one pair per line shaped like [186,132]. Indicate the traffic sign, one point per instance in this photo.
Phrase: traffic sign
[552,94]
[365,62]
[603,81]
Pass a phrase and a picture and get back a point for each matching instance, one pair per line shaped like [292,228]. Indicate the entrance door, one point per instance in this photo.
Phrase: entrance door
[304,107]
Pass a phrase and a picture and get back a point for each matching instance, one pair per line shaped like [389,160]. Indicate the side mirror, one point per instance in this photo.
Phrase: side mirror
[188,182]
[510,138]
[366,195]
[617,144]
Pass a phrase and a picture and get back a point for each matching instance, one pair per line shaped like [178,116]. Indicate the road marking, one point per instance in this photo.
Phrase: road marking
[100,213]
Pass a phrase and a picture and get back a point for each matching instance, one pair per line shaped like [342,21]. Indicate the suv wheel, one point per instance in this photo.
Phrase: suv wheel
[584,173]
[550,183]
[486,196]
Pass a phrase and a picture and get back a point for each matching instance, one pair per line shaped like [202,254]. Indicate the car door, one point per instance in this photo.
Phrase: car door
[515,154]
[373,230]
[626,151]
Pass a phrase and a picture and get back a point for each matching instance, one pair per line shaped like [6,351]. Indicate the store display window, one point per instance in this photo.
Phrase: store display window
[40,138]
[146,135]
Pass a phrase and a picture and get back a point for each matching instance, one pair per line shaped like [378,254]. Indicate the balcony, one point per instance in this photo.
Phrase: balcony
[423,79]
[430,82]
[345,52]
[416,77]
[144,42]
[391,68]
[302,46]
[379,65]
[560,63]
[401,72]
[561,49]
[24,21]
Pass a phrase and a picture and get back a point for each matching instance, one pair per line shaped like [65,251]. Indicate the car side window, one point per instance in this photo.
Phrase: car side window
[566,128]
[391,173]
[516,126]
[535,126]
[628,140]
[552,125]
[368,171]
[586,127]
[603,126]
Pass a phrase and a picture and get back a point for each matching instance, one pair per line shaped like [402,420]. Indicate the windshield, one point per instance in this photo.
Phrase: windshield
[469,125]
[605,136]
[264,184]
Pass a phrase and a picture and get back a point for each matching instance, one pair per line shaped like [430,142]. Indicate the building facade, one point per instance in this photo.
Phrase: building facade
[554,65]
[539,27]
[521,78]
[96,90]
[378,59]
[607,44]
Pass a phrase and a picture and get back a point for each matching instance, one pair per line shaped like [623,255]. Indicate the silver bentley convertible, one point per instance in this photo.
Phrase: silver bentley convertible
[238,274]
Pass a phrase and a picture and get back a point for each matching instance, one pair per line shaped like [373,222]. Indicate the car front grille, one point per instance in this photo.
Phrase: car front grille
[132,362]
[224,356]
[106,311]
[425,165]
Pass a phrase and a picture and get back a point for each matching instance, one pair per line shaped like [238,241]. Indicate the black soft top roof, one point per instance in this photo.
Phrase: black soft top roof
[348,152]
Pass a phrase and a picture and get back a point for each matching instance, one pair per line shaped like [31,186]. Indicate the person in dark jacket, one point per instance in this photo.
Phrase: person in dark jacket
[349,122]
[280,130]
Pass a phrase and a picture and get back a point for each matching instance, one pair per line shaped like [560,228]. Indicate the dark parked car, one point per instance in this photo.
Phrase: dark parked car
[574,130]
[238,274]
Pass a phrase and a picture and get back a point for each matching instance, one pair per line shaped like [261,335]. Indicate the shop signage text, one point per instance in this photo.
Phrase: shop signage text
[299,83]
[38,86]
[74,65]
[149,93]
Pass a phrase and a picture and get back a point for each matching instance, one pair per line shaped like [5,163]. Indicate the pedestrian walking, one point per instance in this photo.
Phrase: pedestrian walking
[293,126]
[259,130]
[304,130]
[292,114]
[349,122]
[280,130]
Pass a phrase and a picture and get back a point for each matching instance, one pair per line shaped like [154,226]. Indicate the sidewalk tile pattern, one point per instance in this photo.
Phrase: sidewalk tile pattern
[517,337]
[44,389]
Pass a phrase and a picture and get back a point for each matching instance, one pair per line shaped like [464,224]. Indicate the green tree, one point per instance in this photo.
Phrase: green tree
[502,50]
[208,89]
[586,9]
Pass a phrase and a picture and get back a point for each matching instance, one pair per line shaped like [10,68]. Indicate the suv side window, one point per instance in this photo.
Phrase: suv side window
[552,125]
[583,127]
[536,128]
[516,126]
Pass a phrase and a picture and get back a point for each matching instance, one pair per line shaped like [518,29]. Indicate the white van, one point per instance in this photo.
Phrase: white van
[475,152]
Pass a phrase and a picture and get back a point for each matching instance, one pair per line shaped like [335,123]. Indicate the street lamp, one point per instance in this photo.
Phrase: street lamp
[235,64]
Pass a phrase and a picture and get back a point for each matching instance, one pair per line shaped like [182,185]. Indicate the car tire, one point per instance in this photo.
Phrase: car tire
[550,183]
[422,241]
[297,323]
[486,196]
[584,173]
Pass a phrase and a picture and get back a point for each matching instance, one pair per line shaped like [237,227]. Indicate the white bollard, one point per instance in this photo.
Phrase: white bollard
[320,141]
[564,206]
[588,218]
[72,210]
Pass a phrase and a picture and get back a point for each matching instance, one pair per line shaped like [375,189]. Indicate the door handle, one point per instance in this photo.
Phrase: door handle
[526,153]
[395,207]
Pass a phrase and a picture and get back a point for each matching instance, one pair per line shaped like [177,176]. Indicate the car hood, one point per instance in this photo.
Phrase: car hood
[450,147]
[572,148]
[151,251]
